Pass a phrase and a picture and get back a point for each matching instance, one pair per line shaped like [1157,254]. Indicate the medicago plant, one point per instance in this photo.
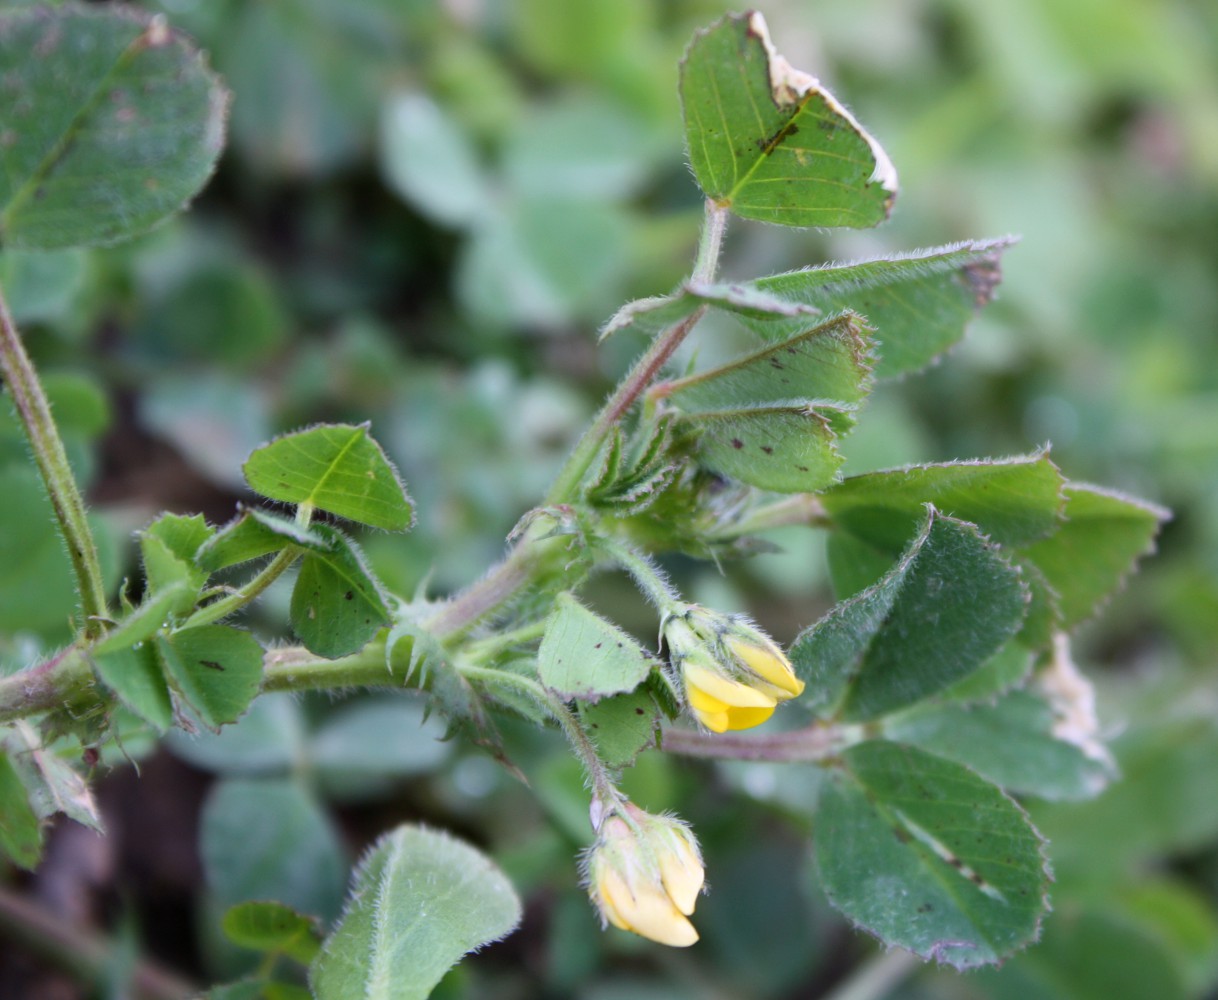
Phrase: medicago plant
[937,690]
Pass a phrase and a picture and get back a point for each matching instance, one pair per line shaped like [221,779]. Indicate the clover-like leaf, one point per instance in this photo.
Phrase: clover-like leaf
[112,122]
[769,142]
[336,468]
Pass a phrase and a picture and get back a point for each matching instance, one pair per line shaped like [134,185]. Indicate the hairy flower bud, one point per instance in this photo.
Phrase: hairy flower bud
[733,673]
[645,874]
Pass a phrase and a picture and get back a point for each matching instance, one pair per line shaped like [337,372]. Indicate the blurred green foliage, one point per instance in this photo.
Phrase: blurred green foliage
[333,272]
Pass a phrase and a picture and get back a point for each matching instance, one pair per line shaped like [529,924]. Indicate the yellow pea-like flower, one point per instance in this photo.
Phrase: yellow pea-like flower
[733,674]
[645,875]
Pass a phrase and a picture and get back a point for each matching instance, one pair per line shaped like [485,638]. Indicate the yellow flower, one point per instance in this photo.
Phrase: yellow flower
[645,874]
[733,673]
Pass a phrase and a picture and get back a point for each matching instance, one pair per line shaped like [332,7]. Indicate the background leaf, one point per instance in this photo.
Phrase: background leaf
[270,926]
[382,950]
[929,857]
[336,468]
[769,142]
[20,829]
[115,123]
[268,838]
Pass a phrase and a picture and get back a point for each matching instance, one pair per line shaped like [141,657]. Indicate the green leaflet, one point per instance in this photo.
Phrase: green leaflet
[217,670]
[826,364]
[768,142]
[586,657]
[928,856]
[168,546]
[337,605]
[115,123]
[622,726]
[652,315]
[134,674]
[1104,535]
[336,468]
[938,615]
[256,533]
[787,449]
[381,950]
[1015,501]
[917,303]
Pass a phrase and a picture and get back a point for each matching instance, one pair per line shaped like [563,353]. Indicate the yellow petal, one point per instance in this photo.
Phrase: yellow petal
[647,911]
[716,722]
[747,718]
[768,662]
[729,692]
[682,873]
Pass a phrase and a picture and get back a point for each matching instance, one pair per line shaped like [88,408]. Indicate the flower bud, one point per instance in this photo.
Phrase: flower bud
[734,674]
[645,874]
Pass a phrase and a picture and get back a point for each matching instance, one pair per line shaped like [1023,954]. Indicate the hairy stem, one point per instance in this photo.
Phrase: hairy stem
[646,575]
[64,679]
[84,953]
[34,412]
[566,485]
[816,743]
